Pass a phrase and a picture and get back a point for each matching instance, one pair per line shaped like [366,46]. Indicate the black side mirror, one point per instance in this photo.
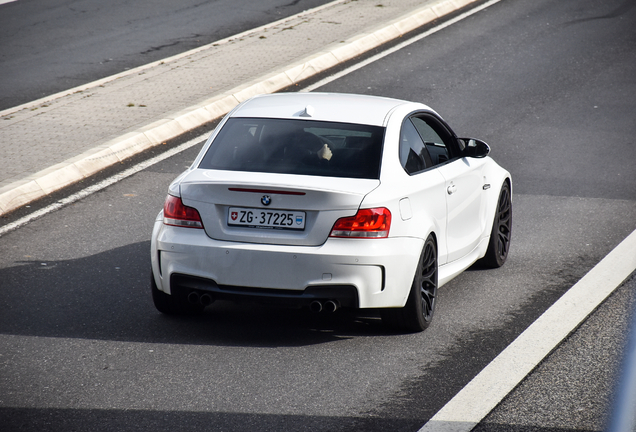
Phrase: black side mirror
[475,148]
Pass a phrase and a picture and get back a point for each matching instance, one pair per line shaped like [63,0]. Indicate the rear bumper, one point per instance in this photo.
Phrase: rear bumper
[364,273]
[183,286]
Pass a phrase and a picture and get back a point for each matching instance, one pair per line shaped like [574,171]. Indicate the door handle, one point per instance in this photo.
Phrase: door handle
[451,189]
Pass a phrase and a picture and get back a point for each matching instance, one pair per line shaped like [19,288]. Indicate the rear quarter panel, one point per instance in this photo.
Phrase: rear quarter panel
[417,203]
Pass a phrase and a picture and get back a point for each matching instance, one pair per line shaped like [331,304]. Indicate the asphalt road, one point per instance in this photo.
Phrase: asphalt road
[48,46]
[576,387]
[547,83]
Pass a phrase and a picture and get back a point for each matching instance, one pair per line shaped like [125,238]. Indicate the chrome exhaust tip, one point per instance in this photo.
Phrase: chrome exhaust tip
[206,299]
[331,306]
[315,306]
[193,297]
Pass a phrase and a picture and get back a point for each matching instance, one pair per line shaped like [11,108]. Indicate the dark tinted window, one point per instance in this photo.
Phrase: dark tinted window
[413,155]
[297,147]
[434,143]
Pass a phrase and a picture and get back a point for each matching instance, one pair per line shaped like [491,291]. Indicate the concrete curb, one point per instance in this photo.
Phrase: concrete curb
[174,124]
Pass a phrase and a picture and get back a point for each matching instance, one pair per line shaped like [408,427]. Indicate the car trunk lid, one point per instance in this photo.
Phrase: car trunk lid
[311,204]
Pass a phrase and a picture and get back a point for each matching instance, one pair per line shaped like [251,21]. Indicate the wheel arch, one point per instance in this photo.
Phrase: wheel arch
[493,199]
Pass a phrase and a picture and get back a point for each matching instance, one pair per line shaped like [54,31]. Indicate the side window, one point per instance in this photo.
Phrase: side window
[436,138]
[413,154]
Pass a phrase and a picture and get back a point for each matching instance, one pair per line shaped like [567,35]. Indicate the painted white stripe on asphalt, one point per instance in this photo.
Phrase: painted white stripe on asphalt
[141,68]
[101,185]
[512,365]
[6,1]
[397,47]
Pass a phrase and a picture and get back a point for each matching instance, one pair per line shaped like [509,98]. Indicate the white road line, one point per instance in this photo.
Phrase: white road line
[397,47]
[512,365]
[101,185]
[144,67]
[6,1]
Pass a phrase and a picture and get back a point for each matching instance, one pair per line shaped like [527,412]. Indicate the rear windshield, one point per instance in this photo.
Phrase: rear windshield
[305,147]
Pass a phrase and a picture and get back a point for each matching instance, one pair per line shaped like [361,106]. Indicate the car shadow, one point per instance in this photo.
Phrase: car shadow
[107,296]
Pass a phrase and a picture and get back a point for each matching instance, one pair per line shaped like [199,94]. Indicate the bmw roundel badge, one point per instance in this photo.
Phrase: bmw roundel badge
[266,200]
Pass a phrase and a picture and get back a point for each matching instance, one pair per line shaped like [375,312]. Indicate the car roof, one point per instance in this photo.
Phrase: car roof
[336,107]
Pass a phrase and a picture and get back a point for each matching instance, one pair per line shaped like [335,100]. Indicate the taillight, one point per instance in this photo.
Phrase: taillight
[367,223]
[175,213]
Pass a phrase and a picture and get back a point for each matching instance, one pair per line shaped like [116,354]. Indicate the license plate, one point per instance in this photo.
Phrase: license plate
[261,218]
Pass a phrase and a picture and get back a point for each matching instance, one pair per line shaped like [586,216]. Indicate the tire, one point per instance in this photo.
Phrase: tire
[418,312]
[500,236]
[170,305]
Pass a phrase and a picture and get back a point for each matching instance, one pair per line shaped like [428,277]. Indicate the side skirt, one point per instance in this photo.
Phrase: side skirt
[449,270]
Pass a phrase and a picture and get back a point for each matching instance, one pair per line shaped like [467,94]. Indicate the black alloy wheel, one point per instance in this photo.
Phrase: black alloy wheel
[501,233]
[418,312]
[427,283]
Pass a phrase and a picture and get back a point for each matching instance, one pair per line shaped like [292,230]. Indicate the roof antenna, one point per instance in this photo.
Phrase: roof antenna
[308,112]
